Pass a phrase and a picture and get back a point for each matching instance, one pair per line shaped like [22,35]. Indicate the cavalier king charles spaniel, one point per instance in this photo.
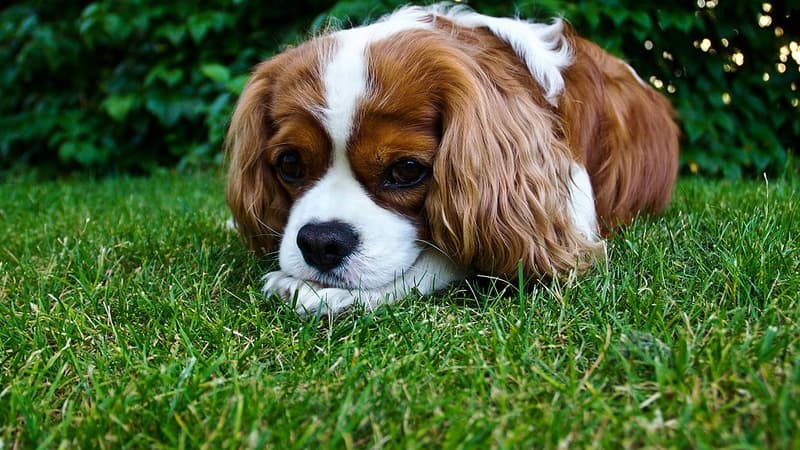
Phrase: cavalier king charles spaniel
[437,143]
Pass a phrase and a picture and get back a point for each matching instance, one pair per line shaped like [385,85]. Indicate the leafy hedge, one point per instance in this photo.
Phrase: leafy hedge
[128,85]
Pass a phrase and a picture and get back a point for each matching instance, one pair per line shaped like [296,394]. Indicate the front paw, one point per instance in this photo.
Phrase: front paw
[307,297]
[284,285]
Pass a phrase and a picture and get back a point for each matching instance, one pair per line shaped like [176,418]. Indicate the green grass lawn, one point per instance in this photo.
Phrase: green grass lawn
[129,316]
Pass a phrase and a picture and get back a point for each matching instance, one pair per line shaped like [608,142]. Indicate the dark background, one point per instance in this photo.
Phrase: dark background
[128,86]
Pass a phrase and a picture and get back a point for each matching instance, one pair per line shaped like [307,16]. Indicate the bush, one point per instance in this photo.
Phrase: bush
[130,86]
[719,64]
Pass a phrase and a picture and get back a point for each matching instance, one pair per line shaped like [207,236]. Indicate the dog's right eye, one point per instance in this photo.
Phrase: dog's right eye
[290,167]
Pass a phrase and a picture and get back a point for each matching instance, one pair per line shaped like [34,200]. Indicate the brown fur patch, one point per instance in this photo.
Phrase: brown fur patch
[624,132]
[399,119]
[304,135]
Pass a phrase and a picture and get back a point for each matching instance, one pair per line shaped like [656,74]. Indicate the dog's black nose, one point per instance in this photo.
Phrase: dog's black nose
[325,245]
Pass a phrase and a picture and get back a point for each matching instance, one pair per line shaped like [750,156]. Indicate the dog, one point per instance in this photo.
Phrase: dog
[437,143]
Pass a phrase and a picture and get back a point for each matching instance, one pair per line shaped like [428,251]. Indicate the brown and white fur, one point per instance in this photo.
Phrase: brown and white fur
[438,143]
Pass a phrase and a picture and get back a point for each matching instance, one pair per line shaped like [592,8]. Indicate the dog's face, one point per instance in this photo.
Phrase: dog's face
[351,158]
[428,139]
[358,221]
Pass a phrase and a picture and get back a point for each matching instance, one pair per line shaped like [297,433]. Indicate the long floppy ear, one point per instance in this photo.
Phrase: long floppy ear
[259,203]
[500,189]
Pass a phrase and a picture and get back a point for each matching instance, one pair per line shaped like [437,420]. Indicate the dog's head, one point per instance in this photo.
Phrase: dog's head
[352,153]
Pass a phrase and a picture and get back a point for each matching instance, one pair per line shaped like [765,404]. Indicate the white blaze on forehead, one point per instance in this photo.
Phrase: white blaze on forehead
[345,82]
[345,73]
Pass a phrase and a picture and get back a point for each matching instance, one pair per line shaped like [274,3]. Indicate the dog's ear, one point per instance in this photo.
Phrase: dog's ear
[259,203]
[500,190]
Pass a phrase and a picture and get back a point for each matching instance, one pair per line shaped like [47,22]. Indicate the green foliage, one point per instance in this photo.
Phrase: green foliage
[732,119]
[131,85]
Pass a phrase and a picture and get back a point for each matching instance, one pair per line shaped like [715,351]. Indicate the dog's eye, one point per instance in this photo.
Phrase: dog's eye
[406,173]
[290,167]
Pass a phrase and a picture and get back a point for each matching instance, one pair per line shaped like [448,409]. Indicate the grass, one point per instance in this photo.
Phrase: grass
[129,317]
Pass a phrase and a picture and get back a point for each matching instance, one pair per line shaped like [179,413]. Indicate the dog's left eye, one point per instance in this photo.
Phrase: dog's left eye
[406,173]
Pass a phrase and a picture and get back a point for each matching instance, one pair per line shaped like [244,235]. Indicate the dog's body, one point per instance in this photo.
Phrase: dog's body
[436,143]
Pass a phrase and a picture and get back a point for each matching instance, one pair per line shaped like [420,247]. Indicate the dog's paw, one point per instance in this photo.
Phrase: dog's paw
[284,285]
[308,297]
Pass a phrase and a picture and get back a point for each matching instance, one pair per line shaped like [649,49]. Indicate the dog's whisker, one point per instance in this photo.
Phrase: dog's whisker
[272,232]
[435,247]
